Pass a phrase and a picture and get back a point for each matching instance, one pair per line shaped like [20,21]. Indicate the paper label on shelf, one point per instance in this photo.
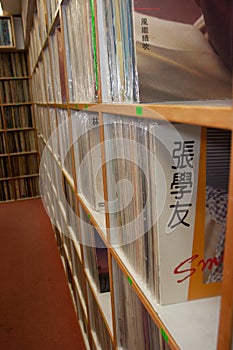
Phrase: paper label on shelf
[164,335]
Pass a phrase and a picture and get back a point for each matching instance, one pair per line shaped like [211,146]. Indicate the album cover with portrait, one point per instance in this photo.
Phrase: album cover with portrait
[191,227]
[183,49]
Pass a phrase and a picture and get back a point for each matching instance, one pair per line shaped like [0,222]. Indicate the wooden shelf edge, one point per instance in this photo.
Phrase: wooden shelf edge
[204,115]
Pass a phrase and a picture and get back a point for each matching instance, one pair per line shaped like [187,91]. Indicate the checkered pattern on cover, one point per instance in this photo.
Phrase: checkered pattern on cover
[216,202]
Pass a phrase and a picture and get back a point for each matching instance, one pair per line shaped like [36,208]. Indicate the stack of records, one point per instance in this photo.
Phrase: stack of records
[156,179]
[152,51]
[81,50]
[88,161]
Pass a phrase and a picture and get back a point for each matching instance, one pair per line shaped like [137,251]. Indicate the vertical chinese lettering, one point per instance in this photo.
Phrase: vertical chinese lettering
[181,182]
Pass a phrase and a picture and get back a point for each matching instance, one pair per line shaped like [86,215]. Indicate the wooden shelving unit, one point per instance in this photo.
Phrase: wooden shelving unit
[19,154]
[202,324]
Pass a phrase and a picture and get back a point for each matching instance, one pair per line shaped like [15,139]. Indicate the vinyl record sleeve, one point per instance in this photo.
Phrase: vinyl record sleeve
[177,50]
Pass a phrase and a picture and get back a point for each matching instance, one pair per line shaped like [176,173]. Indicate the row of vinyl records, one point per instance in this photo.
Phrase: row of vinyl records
[78,66]
[18,165]
[47,120]
[19,188]
[140,52]
[35,44]
[153,182]
[89,277]
[17,142]
[14,117]
[95,254]
[13,64]
[18,150]
[42,22]
[51,7]
[14,91]
[44,91]
[86,143]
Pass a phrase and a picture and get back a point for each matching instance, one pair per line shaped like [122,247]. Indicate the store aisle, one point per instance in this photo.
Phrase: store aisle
[36,310]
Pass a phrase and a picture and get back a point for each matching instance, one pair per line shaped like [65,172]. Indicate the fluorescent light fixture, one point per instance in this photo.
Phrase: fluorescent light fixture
[1,12]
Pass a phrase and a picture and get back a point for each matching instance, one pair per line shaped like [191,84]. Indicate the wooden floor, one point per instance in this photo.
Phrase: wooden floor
[36,310]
